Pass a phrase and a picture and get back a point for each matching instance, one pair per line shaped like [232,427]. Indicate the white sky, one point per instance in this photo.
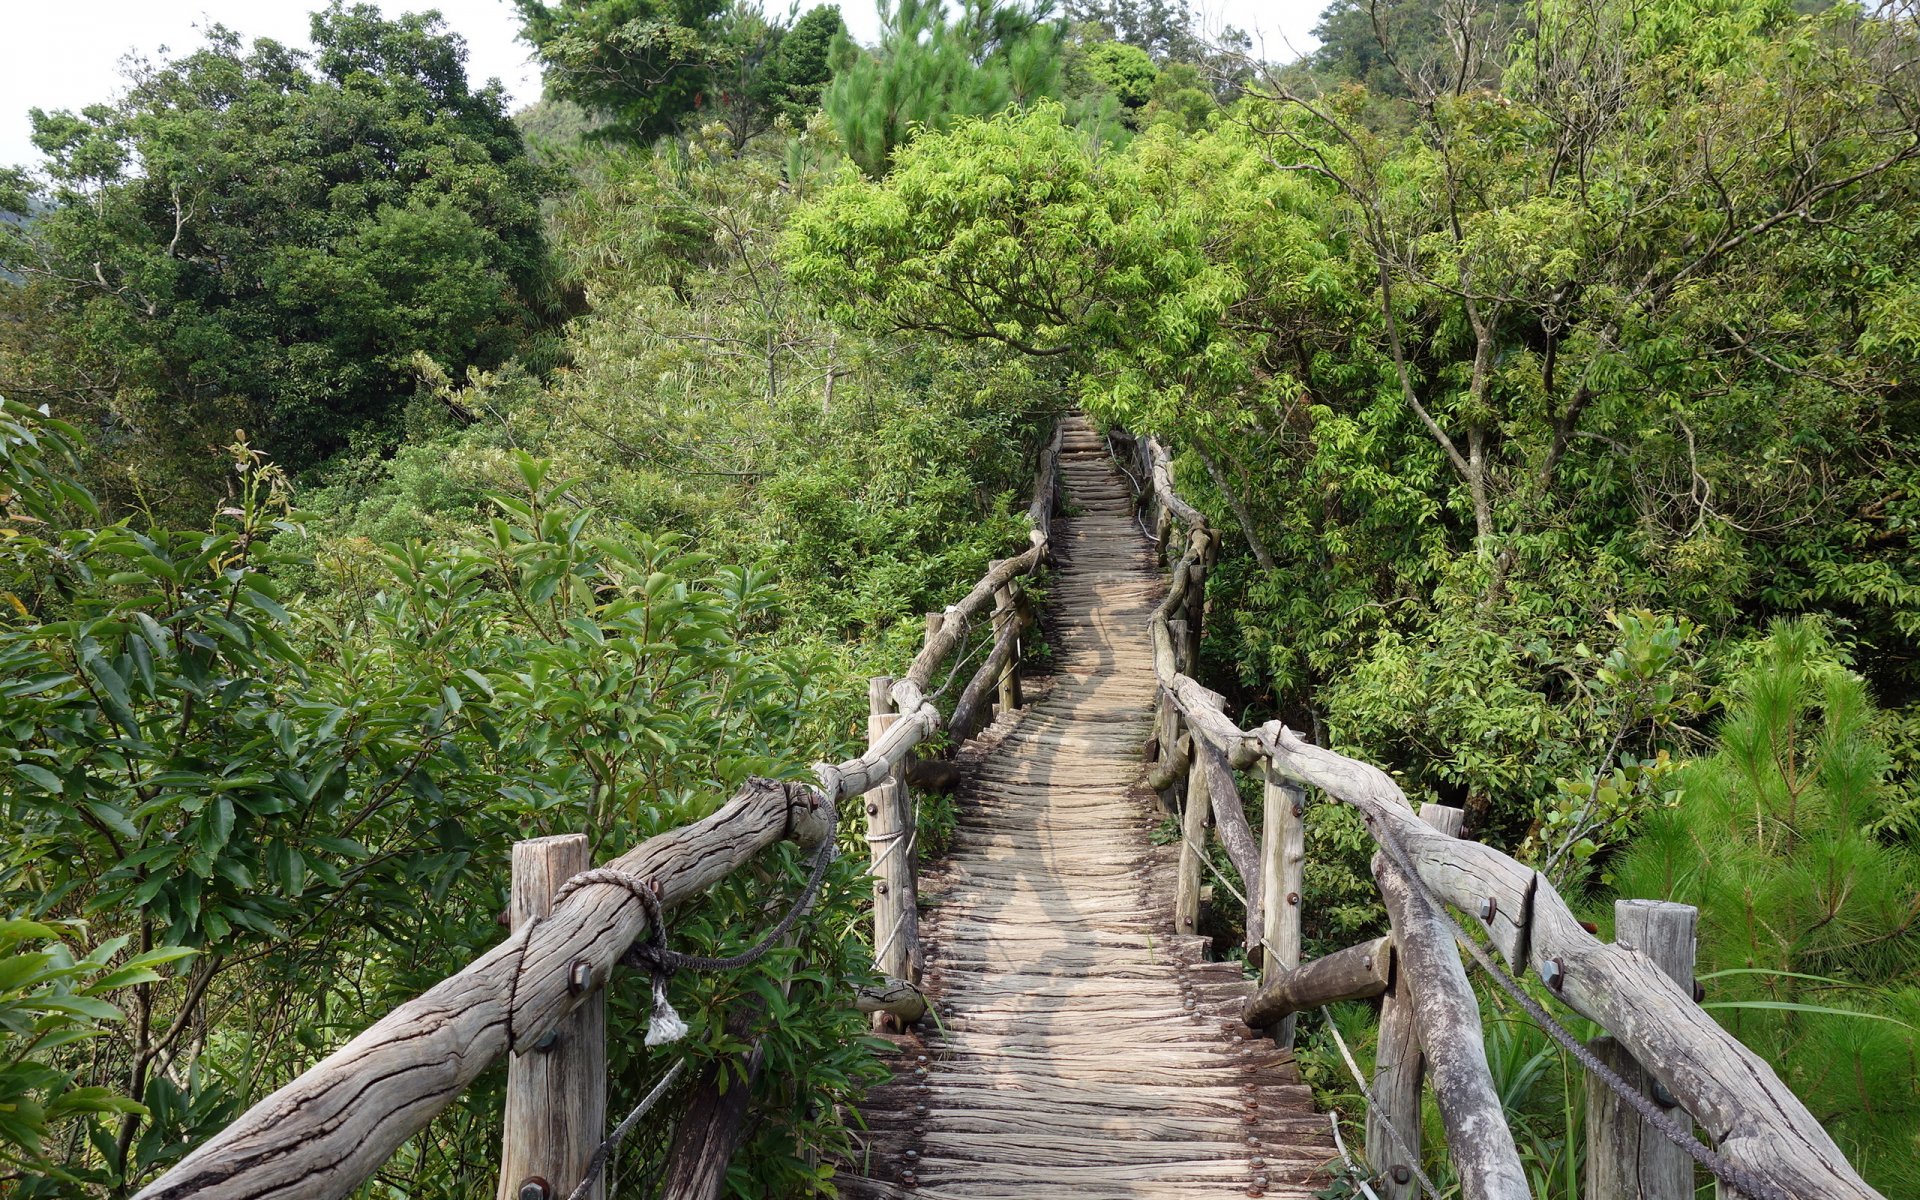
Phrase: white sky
[66,53]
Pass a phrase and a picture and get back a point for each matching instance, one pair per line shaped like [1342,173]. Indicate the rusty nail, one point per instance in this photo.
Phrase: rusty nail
[1401,1173]
[873,810]
[1299,808]
[1488,907]
[1293,897]
[579,976]
[1553,973]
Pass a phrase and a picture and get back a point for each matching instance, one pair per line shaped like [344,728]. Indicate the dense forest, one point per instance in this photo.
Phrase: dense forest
[387,476]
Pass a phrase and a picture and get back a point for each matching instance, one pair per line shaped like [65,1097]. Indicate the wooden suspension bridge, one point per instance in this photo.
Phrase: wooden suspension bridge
[1059,1026]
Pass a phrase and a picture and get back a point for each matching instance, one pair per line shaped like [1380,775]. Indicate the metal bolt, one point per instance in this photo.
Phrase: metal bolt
[1488,907]
[1299,808]
[1663,1097]
[1699,991]
[579,976]
[881,888]
[548,1040]
[1553,973]
[912,1154]
[1401,1173]
[534,1188]
[1256,1162]
[873,810]
[1293,898]
[1260,1181]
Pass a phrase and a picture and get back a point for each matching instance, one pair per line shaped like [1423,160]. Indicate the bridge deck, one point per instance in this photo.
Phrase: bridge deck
[1069,1061]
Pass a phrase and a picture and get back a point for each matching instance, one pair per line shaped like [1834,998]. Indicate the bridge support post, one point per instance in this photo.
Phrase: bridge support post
[556,1111]
[890,838]
[1626,1159]
[1193,841]
[1283,857]
[1005,616]
[1399,1066]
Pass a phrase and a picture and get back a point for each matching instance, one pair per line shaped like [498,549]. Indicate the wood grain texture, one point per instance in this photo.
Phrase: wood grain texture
[1082,1050]
[1447,1014]
[1357,973]
[556,1105]
[1283,864]
[319,1136]
[1627,1159]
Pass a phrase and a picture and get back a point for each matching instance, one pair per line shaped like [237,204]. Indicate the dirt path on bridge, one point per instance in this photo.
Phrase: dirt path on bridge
[1083,1049]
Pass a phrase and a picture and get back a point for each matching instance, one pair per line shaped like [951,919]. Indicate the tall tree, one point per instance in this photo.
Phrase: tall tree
[258,237]
[930,69]
[646,64]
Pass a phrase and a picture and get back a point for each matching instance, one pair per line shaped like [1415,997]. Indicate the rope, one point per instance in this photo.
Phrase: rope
[1373,1105]
[604,1150]
[665,1024]
[1716,1163]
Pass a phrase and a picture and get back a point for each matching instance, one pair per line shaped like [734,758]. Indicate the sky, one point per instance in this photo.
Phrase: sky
[66,53]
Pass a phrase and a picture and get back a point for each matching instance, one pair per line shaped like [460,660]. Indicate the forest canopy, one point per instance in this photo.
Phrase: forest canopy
[387,477]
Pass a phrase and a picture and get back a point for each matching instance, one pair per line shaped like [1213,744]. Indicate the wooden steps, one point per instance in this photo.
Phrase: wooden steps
[1081,1048]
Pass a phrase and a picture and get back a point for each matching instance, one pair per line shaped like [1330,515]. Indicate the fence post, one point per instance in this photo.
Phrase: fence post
[1005,616]
[556,1110]
[1399,1067]
[1283,856]
[890,840]
[1627,1160]
[1193,840]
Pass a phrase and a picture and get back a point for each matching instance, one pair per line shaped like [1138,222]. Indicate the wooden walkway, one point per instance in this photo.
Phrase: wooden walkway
[1082,1049]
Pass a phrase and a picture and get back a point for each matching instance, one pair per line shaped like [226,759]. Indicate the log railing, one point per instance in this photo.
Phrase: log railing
[320,1136]
[1638,989]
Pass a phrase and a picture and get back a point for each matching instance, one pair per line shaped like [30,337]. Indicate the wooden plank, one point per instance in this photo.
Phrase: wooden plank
[556,1106]
[1357,973]
[1006,624]
[1283,858]
[1193,839]
[890,831]
[1230,826]
[1393,1128]
[1447,1014]
[319,1136]
[1627,1159]
[975,707]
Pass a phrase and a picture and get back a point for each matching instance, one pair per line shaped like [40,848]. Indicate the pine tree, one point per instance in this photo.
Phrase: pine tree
[931,71]
[1809,923]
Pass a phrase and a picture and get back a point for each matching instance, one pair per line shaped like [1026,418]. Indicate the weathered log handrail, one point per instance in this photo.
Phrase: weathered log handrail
[1753,1119]
[320,1136]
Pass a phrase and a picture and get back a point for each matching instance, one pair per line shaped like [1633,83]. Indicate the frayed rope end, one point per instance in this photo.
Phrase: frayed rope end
[665,1024]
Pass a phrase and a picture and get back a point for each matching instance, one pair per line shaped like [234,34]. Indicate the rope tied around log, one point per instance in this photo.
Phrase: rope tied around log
[660,962]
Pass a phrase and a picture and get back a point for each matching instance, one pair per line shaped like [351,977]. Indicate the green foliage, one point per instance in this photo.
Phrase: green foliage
[318,792]
[1809,924]
[645,64]
[1124,70]
[931,70]
[50,1000]
[256,237]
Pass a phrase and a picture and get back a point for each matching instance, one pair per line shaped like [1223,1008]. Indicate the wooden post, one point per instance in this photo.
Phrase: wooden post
[1177,631]
[890,841]
[1005,615]
[1197,595]
[934,621]
[1283,856]
[1166,727]
[1193,839]
[1399,1066]
[1627,1159]
[556,1110]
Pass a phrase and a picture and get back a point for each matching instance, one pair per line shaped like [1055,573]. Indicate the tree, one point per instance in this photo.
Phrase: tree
[646,64]
[1809,917]
[255,237]
[931,70]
